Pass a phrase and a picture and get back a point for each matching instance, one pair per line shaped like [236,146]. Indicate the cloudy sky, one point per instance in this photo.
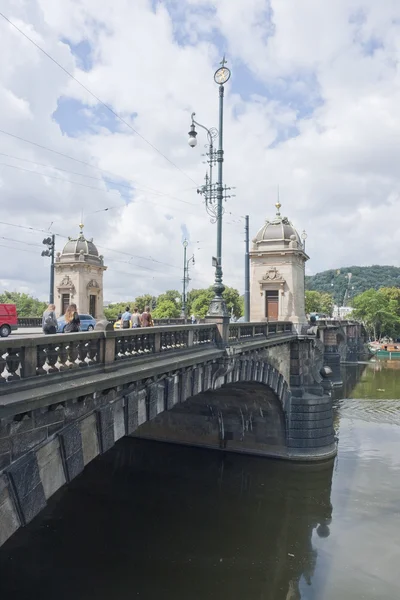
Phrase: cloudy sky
[312,106]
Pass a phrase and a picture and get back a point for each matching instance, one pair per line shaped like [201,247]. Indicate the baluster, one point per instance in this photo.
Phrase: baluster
[147,343]
[162,341]
[62,357]
[118,348]
[52,356]
[40,360]
[129,346]
[13,362]
[3,364]
[124,347]
[72,355]
[92,352]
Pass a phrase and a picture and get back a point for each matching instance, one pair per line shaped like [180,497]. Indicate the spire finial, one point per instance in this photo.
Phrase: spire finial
[278,205]
[223,61]
[81,224]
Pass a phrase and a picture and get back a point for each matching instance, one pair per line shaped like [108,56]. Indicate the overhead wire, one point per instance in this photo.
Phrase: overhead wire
[149,258]
[131,186]
[111,110]
[85,185]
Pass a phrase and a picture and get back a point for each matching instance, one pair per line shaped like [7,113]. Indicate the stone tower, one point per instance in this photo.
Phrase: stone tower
[78,277]
[277,273]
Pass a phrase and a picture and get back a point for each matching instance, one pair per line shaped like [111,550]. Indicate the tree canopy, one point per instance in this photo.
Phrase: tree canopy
[319,302]
[169,304]
[379,311]
[27,306]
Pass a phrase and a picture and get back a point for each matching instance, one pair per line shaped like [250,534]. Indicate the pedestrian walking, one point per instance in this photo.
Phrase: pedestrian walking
[146,318]
[136,318]
[49,320]
[72,319]
[193,320]
[126,318]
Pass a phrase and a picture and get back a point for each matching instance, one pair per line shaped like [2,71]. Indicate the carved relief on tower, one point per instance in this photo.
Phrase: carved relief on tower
[273,275]
[65,286]
[66,283]
[93,285]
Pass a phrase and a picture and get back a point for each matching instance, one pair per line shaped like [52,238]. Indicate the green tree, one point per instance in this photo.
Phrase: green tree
[171,295]
[233,301]
[198,301]
[379,312]
[166,309]
[191,296]
[146,300]
[27,306]
[337,283]
[319,302]
[112,311]
[199,306]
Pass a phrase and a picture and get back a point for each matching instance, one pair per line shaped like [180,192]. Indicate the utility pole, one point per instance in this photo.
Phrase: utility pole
[186,264]
[246,272]
[215,194]
[50,243]
[185,245]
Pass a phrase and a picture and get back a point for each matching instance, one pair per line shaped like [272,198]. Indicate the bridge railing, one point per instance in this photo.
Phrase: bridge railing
[25,357]
[245,331]
[22,358]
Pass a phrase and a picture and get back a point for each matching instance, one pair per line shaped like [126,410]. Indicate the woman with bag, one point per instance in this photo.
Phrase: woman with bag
[49,321]
[72,319]
[146,318]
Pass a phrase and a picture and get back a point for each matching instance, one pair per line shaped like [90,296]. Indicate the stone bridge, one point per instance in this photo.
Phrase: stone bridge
[255,388]
[340,342]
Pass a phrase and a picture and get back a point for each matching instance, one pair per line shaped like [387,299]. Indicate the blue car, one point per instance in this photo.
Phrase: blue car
[87,323]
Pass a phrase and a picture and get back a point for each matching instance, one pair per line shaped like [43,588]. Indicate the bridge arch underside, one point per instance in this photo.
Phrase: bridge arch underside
[239,403]
[245,417]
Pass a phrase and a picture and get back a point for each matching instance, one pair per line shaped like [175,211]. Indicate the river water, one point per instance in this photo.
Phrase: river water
[155,521]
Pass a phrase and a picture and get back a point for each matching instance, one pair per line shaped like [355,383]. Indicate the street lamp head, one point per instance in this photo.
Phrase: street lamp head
[304,236]
[185,243]
[192,141]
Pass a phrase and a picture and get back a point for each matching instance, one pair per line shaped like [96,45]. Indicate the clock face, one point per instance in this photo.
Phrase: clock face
[222,75]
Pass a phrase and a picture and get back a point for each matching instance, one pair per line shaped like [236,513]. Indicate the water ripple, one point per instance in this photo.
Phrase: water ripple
[371,410]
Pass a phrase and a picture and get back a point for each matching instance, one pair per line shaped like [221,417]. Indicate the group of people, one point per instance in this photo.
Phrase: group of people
[50,324]
[136,319]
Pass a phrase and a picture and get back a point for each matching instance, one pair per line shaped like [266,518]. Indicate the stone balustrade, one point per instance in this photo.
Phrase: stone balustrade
[25,357]
[245,331]
[22,358]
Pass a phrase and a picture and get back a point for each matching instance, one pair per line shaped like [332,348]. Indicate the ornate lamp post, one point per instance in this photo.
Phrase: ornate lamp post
[186,264]
[304,236]
[214,194]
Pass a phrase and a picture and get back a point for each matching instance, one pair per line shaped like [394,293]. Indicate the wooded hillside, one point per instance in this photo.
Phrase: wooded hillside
[336,281]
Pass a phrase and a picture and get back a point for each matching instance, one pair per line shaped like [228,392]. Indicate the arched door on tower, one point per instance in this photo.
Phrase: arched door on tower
[272,304]
[92,305]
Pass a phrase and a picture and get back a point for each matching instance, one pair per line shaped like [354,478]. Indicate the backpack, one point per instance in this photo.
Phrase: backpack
[49,320]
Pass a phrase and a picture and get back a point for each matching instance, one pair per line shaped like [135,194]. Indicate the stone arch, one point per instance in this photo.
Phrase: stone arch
[240,405]
[253,367]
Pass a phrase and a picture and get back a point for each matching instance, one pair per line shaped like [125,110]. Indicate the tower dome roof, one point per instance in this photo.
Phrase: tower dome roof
[78,249]
[277,232]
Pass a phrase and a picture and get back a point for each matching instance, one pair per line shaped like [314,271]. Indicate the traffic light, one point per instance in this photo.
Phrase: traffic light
[50,243]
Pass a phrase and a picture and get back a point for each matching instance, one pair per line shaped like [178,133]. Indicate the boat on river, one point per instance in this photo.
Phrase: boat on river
[388,350]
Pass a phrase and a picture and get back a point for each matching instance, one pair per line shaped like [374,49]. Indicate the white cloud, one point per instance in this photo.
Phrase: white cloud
[315,110]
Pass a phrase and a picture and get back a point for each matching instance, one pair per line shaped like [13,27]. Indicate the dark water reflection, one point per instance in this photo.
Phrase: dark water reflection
[155,521]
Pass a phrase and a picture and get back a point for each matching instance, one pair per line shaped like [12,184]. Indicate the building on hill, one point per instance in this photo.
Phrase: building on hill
[277,267]
[78,277]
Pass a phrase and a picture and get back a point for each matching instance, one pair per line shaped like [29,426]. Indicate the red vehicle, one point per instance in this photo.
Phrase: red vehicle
[8,319]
